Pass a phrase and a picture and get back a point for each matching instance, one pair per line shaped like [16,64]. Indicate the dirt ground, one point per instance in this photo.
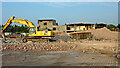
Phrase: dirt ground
[58,58]
[60,53]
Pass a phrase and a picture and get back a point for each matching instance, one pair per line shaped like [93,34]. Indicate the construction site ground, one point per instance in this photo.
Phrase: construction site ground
[60,53]
[101,50]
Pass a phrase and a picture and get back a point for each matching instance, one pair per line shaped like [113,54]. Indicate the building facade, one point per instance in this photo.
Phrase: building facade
[46,24]
[51,24]
[61,28]
[79,27]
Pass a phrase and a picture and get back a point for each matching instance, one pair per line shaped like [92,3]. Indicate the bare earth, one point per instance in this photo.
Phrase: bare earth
[60,53]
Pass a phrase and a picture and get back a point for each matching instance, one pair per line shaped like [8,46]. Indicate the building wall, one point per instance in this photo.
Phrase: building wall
[78,28]
[78,36]
[81,27]
[61,28]
[72,28]
[46,24]
[51,24]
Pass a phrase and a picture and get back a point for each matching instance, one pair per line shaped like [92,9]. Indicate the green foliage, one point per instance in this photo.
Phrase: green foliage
[118,26]
[101,23]
[17,29]
[111,27]
[56,23]
[0,27]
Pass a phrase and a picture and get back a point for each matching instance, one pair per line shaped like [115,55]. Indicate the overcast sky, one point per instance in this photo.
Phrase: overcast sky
[63,12]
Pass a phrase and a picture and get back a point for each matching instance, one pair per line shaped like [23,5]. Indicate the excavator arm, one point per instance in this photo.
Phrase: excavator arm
[8,23]
[17,20]
[23,21]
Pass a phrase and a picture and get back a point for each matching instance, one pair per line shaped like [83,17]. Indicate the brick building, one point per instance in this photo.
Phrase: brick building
[51,24]
[46,24]
[79,27]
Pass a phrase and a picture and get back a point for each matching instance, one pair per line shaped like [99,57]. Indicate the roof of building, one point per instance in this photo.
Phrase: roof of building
[84,23]
[80,23]
[47,20]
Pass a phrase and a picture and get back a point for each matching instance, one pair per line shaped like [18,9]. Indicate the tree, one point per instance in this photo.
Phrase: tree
[25,25]
[2,25]
[111,27]
[118,26]
[101,23]
[15,25]
[15,29]
[22,26]
[56,23]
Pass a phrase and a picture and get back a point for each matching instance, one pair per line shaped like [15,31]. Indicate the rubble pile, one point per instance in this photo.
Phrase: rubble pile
[60,45]
[104,33]
[62,37]
[36,46]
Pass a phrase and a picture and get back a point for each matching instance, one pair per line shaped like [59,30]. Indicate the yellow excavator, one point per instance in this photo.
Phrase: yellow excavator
[34,33]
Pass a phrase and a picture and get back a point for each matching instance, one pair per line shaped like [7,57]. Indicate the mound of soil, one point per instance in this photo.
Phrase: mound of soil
[104,33]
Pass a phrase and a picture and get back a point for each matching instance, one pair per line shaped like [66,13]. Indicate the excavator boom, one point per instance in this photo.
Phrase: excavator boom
[8,23]
[19,21]
[25,22]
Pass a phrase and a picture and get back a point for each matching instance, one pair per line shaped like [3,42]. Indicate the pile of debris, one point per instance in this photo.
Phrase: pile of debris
[60,45]
[104,34]
[62,37]
[37,46]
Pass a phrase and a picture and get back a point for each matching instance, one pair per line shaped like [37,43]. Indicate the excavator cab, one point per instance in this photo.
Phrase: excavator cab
[32,30]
